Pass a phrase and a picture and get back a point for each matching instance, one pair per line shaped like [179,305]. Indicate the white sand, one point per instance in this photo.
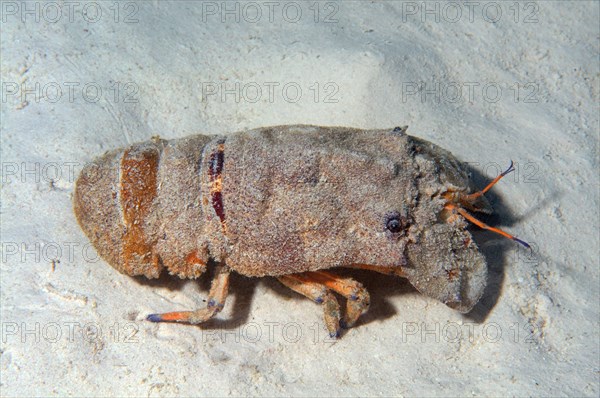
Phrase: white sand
[80,329]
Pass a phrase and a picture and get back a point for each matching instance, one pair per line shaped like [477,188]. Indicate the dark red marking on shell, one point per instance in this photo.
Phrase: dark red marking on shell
[216,161]
[215,169]
[217,202]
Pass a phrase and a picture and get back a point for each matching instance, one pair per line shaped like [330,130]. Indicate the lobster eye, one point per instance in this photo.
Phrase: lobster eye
[394,223]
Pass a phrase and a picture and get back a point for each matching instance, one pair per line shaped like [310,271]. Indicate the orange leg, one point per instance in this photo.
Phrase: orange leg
[216,301]
[357,297]
[480,224]
[306,286]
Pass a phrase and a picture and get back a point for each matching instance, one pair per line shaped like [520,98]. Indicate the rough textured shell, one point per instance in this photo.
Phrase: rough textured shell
[282,200]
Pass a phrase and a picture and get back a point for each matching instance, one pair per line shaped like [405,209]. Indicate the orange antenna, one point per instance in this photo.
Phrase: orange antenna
[471,197]
[483,225]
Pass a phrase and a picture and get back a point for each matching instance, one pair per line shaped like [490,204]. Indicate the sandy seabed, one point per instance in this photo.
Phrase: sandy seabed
[489,81]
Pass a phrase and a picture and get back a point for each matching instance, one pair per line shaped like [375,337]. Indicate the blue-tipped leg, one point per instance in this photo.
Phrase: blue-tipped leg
[510,168]
[154,318]
[522,242]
